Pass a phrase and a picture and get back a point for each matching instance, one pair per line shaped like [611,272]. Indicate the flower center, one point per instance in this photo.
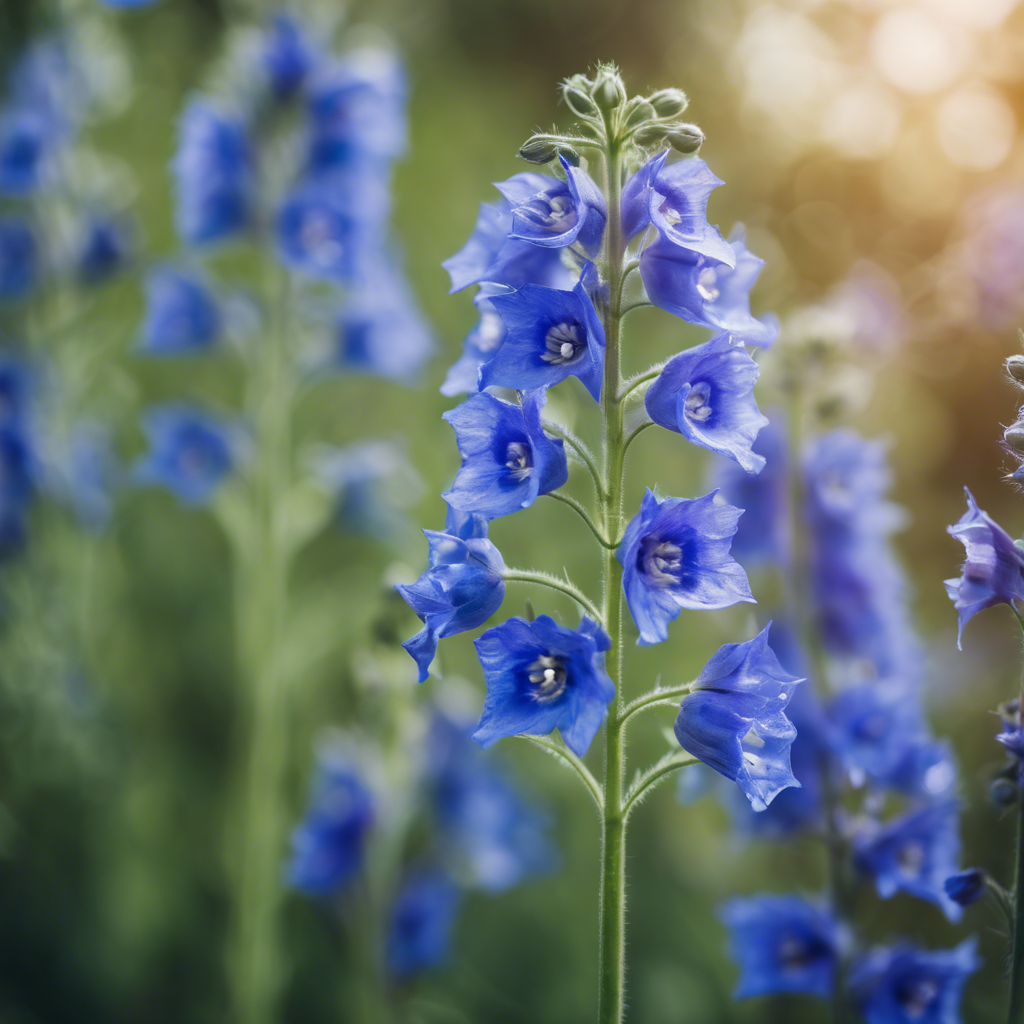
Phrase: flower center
[697,405]
[707,284]
[318,238]
[663,563]
[670,213]
[559,208]
[794,955]
[561,344]
[547,679]
[552,214]
[518,460]
[920,998]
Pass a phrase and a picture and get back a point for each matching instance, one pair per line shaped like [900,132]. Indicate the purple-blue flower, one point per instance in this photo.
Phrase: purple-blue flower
[479,346]
[966,887]
[782,944]
[560,214]
[906,985]
[675,555]
[215,174]
[104,247]
[287,55]
[182,313]
[328,846]
[507,459]
[541,676]
[422,920]
[993,572]
[462,588]
[707,394]
[190,452]
[734,719]
[914,853]
[19,257]
[549,335]
[24,143]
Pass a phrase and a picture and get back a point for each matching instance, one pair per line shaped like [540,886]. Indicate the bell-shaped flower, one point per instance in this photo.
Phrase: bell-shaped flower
[19,257]
[104,247]
[479,347]
[706,291]
[25,144]
[541,676]
[462,588]
[707,394]
[734,719]
[914,853]
[190,452]
[550,335]
[560,214]
[507,459]
[328,845]
[675,555]
[907,985]
[783,944]
[287,56]
[215,174]
[993,572]
[490,255]
[422,920]
[182,313]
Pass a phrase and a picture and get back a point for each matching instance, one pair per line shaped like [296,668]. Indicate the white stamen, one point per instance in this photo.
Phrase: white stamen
[517,460]
[548,679]
[707,284]
[662,563]
[561,344]
[696,406]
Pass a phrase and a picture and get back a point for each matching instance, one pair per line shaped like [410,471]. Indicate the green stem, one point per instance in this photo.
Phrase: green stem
[656,698]
[567,757]
[671,763]
[257,970]
[612,923]
[634,434]
[544,579]
[565,499]
[580,449]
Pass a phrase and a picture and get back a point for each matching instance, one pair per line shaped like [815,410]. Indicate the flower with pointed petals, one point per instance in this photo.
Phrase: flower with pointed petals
[422,920]
[541,676]
[707,394]
[562,213]
[550,335]
[182,314]
[915,853]
[490,255]
[782,944]
[906,985]
[19,257]
[287,55]
[190,452]
[329,844]
[994,570]
[479,347]
[507,459]
[734,719]
[675,555]
[462,588]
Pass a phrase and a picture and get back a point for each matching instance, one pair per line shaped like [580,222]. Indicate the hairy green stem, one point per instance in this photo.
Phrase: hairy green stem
[562,753]
[578,508]
[656,698]
[544,579]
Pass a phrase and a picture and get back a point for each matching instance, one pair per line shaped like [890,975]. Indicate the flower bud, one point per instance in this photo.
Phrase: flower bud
[685,138]
[1015,368]
[669,102]
[651,135]
[1003,792]
[570,155]
[637,113]
[609,92]
[578,101]
[1014,434]
[540,149]
[966,887]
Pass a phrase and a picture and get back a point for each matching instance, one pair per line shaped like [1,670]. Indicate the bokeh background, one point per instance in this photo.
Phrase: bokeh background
[877,142]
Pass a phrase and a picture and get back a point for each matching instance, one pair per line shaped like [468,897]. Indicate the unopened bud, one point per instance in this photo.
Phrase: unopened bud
[638,112]
[609,92]
[1014,435]
[540,149]
[579,102]
[1015,368]
[651,135]
[669,102]
[1003,792]
[685,138]
[569,155]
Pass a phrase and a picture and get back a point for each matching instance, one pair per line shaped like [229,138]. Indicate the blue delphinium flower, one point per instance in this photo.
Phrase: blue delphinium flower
[914,853]
[318,231]
[190,452]
[462,588]
[17,481]
[927,769]
[104,247]
[549,335]
[328,846]
[707,394]
[734,719]
[782,944]
[19,257]
[182,313]
[422,921]
[507,459]
[562,213]
[25,139]
[993,572]
[675,555]
[541,676]
[966,887]
[287,55]
[215,174]
[906,985]
[480,345]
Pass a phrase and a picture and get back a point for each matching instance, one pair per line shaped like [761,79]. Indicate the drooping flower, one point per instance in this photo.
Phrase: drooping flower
[914,853]
[479,347]
[549,335]
[906,985]
[422,920]
[214,172]
[675,555]
[104,247]
[328,846]
[462,588]
[560,214]
[19,257]
[993,572]
[287,55]
[541,676]
[182,313]
[507,459]
[190,452]
[707,394]
[734,719]
[782,944]
[966,887]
